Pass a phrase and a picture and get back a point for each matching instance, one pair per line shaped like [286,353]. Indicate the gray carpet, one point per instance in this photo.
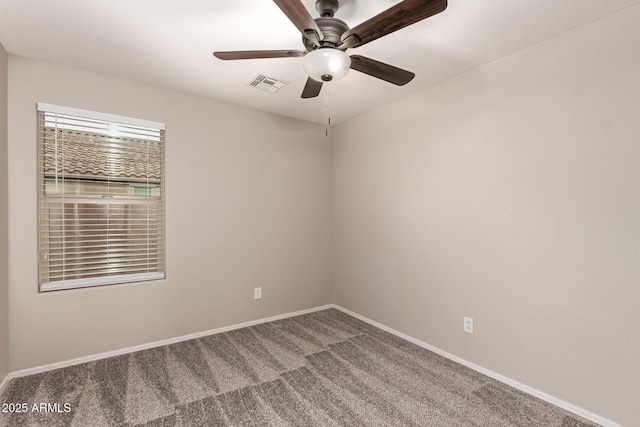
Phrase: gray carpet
[319,369]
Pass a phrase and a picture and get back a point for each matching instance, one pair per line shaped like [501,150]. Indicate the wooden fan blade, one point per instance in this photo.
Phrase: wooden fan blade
[257,54]
[300,17]
[396,17]
[311,88]
[383,71]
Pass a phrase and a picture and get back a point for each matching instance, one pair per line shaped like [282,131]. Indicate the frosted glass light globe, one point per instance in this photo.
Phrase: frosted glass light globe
[326,64]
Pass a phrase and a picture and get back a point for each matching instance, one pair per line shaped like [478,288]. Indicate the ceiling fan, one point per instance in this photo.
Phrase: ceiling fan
[326,40]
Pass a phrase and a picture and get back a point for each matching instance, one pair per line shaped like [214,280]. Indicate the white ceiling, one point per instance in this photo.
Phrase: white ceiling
[169,43]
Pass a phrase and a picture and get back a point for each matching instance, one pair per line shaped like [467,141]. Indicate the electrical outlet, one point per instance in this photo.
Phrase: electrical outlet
[257,293]
[468,325]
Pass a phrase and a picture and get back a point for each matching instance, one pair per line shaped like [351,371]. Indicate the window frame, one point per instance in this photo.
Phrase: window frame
[96,200]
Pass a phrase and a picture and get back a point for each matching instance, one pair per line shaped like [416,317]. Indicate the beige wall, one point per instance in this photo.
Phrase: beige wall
[510,194]
[4,224]
[248,204]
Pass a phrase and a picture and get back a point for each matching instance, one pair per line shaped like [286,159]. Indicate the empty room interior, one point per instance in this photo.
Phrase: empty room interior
[442,230]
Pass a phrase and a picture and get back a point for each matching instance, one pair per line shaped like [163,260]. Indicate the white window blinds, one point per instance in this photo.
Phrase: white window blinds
[101,203]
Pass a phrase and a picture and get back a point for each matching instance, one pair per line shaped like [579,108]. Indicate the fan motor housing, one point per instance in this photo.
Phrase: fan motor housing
[332,30]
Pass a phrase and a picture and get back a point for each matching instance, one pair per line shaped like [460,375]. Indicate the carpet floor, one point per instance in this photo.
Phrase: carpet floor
[320,369]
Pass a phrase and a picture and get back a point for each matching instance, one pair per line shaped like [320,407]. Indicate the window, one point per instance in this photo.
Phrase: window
[101,199]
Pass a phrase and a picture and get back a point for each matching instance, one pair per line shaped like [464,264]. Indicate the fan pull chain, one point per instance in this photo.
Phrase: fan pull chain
[327,109]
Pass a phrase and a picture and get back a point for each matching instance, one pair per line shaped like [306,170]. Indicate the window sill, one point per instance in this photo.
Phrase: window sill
[99,281]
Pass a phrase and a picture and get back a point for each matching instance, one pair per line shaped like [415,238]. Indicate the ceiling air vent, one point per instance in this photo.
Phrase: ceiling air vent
[267,84]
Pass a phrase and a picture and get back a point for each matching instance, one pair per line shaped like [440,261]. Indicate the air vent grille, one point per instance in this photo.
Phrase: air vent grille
[267,84]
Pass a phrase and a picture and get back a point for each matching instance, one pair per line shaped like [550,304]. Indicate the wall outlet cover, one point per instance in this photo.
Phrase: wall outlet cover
[468,325]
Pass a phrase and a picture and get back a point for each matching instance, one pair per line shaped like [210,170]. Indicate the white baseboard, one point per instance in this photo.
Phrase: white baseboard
[4,383]
[85,359]
[513,383]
